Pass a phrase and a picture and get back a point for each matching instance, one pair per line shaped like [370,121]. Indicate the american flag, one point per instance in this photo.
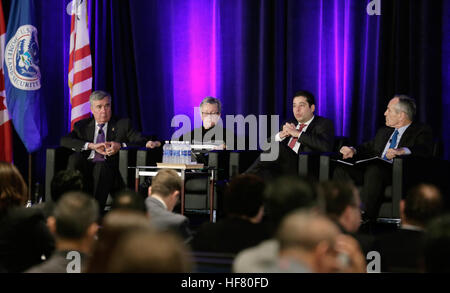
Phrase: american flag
[80,62]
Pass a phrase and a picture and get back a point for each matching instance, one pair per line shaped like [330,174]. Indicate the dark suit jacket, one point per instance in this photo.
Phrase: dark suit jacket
[118,130]
[229,235]
[417,137]
[57,264]
[24,238]
[401,251]
[318,137]
[164,220]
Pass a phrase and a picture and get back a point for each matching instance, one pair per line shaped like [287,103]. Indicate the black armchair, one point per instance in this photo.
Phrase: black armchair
[406,172]
[313,164]
[57,158]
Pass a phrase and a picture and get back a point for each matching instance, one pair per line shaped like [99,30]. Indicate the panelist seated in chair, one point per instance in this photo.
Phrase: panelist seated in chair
[96,142]
[305,133]
[211,132]
[401,136]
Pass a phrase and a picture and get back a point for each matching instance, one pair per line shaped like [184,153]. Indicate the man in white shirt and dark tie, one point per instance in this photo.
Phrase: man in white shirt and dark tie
[401,136]
[96,141]
[306,133]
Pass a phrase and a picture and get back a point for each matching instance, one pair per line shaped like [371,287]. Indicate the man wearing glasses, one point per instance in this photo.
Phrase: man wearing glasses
[211,131]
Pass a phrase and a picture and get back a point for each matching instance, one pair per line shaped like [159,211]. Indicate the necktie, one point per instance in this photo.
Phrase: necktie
[294,139]
[100,138]
[393,142]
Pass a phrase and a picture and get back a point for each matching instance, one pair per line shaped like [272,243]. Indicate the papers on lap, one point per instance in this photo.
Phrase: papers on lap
[359,162]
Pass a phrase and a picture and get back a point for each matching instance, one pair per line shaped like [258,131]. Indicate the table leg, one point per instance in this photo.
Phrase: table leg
[136,180]
[182,190]
[211,197]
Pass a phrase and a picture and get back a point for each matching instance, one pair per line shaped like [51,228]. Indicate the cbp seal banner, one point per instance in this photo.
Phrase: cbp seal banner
[23,76]
[22,59]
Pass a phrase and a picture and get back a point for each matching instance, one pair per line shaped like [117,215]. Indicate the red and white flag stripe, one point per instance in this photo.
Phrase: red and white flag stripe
[80,62]
[6,152]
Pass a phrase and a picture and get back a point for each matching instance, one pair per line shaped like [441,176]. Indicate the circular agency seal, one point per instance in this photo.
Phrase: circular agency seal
[22,59]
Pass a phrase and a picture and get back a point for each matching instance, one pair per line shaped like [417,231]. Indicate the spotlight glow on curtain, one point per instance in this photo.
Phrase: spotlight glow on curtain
[332,51]
[195,50]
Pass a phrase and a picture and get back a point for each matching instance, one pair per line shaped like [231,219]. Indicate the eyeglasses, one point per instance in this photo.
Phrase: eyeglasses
[210,114]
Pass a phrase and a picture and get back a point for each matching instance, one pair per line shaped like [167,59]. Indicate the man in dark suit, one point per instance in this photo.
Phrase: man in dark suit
[342,206]
[163,196]
[96,142]
[401,136]
[211,131]
[403,250]
[306,133]
[74,225]
[242,227]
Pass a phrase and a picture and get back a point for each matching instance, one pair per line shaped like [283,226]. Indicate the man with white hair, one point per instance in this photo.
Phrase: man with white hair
[96,142]
[401,136]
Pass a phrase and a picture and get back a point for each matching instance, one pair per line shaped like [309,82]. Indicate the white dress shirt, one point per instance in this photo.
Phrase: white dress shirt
[297,144]
[97,128]
[400,130]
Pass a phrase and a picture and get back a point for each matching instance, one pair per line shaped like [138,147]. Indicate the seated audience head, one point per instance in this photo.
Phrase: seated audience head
[129,200]
[167,186]
[75,220]
[286,194]
[400,111]
[342,204]
[309,238]
[65,181]
[115,224]
[210,111]
[13,190]
[145,251]
[303,106]
[423,203]
[437,245]
[244,198]
[100,106]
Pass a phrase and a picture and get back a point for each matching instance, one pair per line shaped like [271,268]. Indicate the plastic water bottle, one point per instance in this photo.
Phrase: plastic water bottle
[170,153]
[188,152]
[166,152]
[182,150]
[176,152]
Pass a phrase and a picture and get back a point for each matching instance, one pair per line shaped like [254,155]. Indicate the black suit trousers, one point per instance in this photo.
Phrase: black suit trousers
[101,178]
[374,178]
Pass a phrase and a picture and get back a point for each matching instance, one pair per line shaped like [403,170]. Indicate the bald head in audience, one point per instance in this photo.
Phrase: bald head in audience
[423,203]
[314,241]
[147,251]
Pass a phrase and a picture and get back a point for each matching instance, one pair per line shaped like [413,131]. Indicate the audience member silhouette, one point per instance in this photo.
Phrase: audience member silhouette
[74,225]
[241,228]
[115,225]
[24,238]
[402,250]
[437,243]
[64,181]
[311,242]
[282,196]
[163,196]
[146,251]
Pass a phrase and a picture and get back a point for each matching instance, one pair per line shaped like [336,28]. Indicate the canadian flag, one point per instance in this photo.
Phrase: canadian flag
[6,152]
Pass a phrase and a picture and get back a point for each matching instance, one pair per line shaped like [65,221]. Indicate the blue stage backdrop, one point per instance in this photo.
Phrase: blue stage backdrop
[159,58]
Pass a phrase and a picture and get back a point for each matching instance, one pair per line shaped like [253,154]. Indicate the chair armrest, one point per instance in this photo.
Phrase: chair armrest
[315,164]
[240,161]
[56,159]
[408,171]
